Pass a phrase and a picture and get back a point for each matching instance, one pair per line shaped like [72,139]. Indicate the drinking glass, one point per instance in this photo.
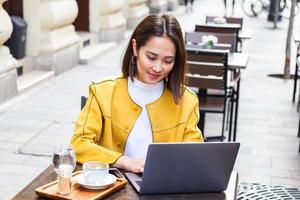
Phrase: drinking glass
[64,162]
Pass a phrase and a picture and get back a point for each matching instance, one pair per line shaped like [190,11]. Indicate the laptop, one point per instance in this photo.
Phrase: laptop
[186,168]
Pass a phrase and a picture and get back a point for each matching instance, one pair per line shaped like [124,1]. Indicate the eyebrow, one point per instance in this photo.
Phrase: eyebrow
[158,55]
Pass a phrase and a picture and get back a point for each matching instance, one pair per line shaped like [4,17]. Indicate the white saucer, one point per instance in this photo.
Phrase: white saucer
[110,179]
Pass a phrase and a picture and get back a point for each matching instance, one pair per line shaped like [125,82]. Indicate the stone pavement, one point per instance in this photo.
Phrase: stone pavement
[34,122]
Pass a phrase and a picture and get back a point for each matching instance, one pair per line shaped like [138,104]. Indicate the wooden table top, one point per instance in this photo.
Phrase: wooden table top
[296,36]
[245,34]
[128,191]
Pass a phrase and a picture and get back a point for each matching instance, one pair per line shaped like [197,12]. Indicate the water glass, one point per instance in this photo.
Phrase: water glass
[64,162]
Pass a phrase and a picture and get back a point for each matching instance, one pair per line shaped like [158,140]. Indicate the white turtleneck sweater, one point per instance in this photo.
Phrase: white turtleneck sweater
[141,134]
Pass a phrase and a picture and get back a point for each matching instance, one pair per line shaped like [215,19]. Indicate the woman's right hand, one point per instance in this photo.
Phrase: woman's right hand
[130,164]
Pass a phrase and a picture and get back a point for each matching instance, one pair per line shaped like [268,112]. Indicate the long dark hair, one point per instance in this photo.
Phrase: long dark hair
[159,25]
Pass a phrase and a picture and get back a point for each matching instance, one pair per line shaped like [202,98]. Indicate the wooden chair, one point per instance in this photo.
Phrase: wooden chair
[225,40]
[193,38]
[229,20]
[219,29]
[208,70]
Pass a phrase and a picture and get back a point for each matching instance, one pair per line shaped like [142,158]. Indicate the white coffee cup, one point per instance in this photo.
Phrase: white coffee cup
[95,172]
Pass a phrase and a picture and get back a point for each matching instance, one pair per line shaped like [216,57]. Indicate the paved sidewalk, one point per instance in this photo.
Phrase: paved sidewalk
[34,122]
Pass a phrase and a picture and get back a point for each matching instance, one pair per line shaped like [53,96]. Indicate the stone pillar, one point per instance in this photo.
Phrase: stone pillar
[157,6]
[8,73]
[137,10]
[51,37]
[107,18]
[173,5]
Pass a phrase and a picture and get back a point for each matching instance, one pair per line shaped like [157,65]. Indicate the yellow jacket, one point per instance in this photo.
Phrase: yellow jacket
[109,115]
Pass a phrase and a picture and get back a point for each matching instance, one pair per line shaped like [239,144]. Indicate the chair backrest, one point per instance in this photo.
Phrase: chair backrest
[230,20]
[219,29]
[207,69]
[223,38]
[83,102]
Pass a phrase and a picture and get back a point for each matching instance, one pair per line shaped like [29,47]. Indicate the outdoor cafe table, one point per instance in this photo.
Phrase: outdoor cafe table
[128,191]
[236,61]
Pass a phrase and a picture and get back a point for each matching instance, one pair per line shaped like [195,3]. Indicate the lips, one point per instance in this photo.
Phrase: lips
[153,76]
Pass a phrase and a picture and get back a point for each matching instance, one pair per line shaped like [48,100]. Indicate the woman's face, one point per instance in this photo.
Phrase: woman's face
[155,59]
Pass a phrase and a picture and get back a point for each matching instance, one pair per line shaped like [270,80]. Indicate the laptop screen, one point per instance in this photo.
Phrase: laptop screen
[188,167]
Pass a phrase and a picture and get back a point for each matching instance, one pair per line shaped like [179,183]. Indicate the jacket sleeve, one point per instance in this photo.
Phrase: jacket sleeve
[192,132]
[88,131]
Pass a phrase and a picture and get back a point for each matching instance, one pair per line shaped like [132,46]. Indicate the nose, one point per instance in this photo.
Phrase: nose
[158,67]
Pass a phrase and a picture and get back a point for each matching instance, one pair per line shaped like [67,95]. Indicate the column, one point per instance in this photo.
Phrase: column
[8,73]
[107,18]
[51,37]
[137,10]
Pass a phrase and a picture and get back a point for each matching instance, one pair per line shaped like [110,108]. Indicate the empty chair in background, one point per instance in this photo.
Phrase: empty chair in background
[208,69]
[229,20]
[232,29]
[225,40]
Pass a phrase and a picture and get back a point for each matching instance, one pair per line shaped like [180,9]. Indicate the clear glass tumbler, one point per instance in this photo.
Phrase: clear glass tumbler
[64,162]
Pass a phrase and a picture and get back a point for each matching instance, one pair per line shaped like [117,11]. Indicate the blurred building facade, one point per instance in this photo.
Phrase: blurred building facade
[62,33]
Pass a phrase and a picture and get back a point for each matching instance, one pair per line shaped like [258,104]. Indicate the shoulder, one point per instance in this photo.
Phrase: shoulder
[189,99]
[189,95]
[108,82]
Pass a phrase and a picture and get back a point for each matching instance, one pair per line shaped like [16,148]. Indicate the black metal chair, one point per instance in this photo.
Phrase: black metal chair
[83,102]
[296,76]
[208,69]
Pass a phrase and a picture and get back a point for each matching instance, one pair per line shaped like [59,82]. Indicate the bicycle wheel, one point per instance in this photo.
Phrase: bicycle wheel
[252,8]
[286,11]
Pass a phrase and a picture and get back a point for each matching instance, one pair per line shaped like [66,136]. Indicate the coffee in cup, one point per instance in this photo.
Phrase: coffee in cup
[95,172]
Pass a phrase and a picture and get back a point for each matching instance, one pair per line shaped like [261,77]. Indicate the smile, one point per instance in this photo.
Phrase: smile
[153,76]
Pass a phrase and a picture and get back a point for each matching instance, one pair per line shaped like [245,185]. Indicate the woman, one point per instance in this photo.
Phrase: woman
[148,103]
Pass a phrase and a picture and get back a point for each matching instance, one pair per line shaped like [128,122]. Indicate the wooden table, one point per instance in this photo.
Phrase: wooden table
[235,60]
[128,191]
[245,34]
[238,60]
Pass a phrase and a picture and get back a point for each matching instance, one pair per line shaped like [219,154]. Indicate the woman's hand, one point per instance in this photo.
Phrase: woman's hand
[130,164]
